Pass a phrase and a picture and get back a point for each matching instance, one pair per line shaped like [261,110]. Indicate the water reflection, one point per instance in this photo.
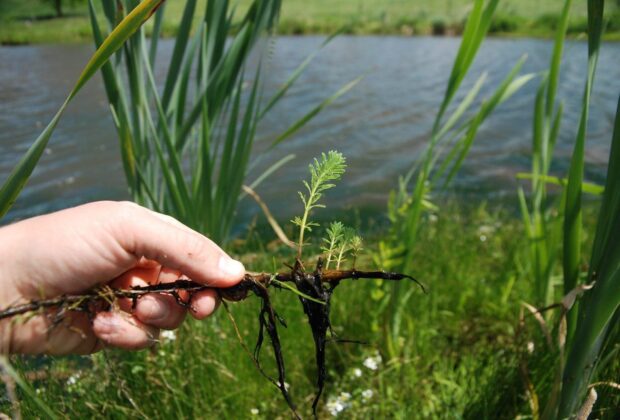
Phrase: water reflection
[381,126]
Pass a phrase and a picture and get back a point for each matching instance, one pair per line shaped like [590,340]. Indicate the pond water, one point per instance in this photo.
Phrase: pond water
[381,126]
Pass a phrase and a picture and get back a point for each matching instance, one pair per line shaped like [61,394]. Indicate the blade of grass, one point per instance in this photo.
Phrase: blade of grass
[179,51]
[21,173]
[294,76]
[314,111]
[463,106]
[159,18]
[475,30]
[573,209]
[506,89]
[586,187]
[272,168]
[26,388]
[598,307]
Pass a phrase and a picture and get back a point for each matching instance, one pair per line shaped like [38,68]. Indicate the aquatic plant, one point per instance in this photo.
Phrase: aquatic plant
[586,333]
[186,150]
[124,29]
[450,141]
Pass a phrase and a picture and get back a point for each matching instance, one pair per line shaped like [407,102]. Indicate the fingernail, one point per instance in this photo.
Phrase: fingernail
[231,267]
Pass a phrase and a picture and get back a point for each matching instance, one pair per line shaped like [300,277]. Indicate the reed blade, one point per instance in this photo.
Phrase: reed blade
[21,173]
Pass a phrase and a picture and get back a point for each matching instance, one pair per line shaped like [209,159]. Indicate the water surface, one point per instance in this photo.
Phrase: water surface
[381,126]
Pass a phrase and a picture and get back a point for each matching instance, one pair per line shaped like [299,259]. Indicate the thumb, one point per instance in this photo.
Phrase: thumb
[145,233]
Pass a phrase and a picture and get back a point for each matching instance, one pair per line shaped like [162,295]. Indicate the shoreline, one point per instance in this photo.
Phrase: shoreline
[75,29]
[36,22]
[610,37]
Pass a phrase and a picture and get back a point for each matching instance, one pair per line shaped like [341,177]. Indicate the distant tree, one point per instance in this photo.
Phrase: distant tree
[58,5]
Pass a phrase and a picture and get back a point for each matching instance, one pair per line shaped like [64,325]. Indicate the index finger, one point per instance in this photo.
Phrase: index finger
[144,234]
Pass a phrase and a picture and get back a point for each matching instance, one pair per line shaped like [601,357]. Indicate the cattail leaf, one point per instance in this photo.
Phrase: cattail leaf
[297,125]
[21,173]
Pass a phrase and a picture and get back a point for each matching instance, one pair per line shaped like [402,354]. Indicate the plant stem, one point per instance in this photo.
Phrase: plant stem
[235,293]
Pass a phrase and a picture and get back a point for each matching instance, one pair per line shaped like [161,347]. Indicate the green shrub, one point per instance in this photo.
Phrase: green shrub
[438,26]
[578,26]
[505,23]
[613,23]
[547,21]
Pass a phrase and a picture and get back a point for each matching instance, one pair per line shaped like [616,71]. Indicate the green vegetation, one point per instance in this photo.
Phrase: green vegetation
[329,169]
[522,315]
[211,132]
[459,352]
[16,180]
[31,21]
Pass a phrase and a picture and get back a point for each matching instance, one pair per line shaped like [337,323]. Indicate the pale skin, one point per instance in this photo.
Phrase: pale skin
[116,243]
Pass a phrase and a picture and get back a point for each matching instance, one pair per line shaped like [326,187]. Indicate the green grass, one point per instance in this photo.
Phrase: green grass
[31,21]
[458,355]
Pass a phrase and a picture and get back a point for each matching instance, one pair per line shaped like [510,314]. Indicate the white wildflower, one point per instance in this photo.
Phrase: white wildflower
[530,347]
[483,238]
[486,230]
[254,411]
[72,380]
[344,396]
[357,372]
[168,335]
[373,362]
[367,394]
[335,406]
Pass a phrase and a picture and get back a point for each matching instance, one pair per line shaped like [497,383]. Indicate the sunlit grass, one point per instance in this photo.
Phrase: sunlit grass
[123,30]
[456,355]
[21,20]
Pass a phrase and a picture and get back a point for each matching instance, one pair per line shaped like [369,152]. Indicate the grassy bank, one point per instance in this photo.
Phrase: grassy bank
[460,353]
[35,21]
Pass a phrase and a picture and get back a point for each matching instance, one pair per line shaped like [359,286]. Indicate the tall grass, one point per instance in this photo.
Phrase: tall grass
[573,207]
[543,226]
[186,149]
[459,361]
[591,320]
[595,333]
[451,138]
[123,29]
[584,331]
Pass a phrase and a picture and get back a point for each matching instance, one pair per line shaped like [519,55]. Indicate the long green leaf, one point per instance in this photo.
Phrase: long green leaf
[314,111]
[554,71]
[179,51]
[463,106]
[573,211]
[506,89]
[586,187]
[26,388]
[173,159]
[294,76]
[603,301]
[475,30]
[21,173]
[599,307]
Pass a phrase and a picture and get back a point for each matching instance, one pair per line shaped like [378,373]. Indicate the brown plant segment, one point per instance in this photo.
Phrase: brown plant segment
[315,291]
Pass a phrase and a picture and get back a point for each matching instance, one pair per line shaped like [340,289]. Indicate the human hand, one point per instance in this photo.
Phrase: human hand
[115,243]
